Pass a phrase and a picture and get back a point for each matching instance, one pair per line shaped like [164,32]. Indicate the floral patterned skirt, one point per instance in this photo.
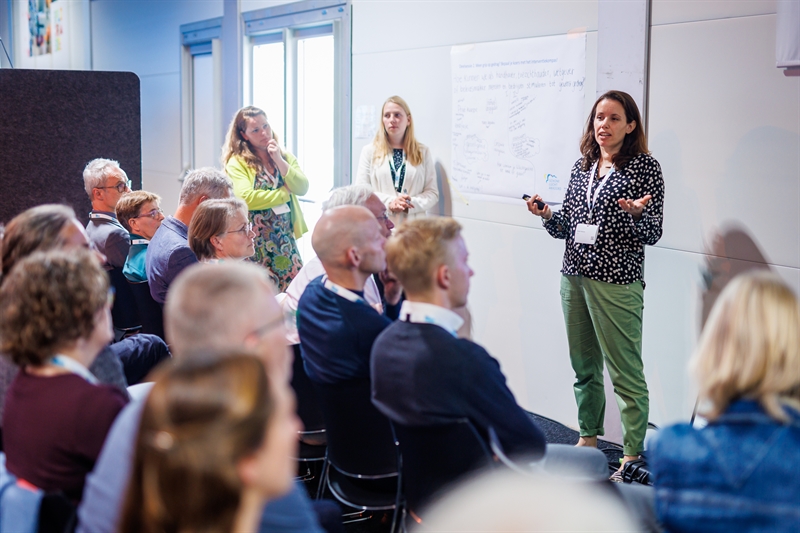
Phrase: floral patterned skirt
[276,247]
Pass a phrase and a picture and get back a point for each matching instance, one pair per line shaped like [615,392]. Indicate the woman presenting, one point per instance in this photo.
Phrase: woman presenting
[269,180]
[613,207]
[398,168]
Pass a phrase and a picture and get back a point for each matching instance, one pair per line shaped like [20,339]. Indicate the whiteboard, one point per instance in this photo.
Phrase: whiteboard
[517,116]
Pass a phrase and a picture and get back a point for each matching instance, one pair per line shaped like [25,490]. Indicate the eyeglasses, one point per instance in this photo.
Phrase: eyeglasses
[121,186]
[247,228]
[152,214]
[383,218]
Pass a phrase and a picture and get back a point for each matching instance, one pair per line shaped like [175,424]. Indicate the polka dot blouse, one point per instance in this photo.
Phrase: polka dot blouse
[618,253]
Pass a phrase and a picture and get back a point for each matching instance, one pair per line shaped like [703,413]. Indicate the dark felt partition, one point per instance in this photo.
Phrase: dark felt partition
[53,122]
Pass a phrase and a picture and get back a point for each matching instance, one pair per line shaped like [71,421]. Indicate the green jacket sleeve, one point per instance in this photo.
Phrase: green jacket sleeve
[243,178]
[295,179]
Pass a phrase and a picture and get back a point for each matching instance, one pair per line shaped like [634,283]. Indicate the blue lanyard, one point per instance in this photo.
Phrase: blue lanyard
[75,367]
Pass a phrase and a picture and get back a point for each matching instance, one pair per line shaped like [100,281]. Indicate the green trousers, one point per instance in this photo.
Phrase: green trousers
[604,322]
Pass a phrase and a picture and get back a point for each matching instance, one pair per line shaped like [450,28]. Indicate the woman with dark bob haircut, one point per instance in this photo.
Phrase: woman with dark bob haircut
[613,208]
[220,231]
[216,441]
[54,319]
[739,473]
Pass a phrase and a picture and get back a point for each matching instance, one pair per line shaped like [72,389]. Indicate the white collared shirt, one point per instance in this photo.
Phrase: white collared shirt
[425,313]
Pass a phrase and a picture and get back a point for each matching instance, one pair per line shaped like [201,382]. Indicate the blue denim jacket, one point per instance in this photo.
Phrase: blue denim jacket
[740,473]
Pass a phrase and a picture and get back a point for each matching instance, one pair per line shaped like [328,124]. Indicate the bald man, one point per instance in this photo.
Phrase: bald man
[337,326]
[227,306]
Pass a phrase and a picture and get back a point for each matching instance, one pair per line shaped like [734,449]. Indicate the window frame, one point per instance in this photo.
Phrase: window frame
[199,38]
[289,23]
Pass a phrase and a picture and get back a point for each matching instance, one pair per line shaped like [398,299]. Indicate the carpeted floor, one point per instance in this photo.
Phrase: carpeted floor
[558,433]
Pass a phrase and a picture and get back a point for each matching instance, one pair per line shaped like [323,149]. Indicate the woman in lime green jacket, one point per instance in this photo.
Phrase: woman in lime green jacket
[269,180]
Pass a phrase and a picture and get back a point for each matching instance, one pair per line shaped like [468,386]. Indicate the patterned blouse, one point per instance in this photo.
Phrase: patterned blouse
[275,245]
[618,253]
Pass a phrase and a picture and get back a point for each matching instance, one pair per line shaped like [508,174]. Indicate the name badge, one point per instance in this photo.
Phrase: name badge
[281,209]
[586,233]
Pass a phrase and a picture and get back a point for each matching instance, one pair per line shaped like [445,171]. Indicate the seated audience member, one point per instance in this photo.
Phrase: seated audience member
[500,500]
[336,324]
[350,195]
[222,307]
[51,226]
[422,374]
[739,473]
[54,319]
[216,440]
[169,251]
[140,214]
[105,183]
[220,230]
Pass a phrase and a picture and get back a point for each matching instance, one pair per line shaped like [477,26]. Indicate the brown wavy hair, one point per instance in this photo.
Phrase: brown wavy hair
[412,148]
[635,142]
[235,145]
[204,414]
[37,228]
[48,301]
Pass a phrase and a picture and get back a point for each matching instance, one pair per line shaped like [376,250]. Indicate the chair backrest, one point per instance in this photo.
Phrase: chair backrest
[308,404]
[151,314]
[436,456]
[360,440]
[124,312]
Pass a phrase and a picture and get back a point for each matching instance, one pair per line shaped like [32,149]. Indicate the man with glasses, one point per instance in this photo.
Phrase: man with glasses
[140,214]
[105,183]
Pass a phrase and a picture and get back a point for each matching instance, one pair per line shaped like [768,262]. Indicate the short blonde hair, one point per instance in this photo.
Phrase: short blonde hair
[129,205]
[750,347]
[417,248]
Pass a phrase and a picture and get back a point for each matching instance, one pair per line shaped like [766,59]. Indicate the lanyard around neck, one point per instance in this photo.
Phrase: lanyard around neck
[590,202]
[347,294]
[101,216]
[75,367]
[396,171]
[140,241]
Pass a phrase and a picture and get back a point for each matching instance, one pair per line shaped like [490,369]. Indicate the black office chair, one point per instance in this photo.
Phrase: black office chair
[151,314]
[124,312]
[313,439]
[433,457]
[362,456]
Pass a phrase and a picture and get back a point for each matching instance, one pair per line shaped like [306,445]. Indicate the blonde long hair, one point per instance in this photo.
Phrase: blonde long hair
[412,148]
[236,145]
[750,347]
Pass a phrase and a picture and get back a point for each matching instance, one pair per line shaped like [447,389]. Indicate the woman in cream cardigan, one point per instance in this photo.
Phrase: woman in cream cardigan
[398,168]
[269,180]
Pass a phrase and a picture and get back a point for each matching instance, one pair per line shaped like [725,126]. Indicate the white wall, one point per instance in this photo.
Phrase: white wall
[143,36]
[723,122]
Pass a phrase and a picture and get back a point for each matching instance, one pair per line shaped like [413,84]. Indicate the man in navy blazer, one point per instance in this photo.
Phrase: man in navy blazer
[422,373]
